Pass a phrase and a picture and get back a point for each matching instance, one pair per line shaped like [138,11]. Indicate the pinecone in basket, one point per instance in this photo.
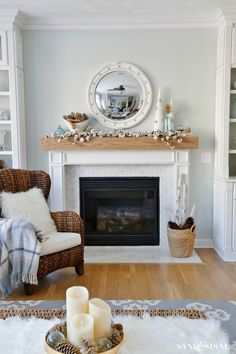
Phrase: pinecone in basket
[173,225]
[189,222]
[87,346]
[66,347]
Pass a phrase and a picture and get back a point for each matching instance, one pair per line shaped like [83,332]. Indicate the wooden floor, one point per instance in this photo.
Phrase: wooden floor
[212,280]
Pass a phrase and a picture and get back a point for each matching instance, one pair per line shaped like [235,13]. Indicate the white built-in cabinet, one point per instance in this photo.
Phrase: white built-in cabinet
[12,105]
[225,144]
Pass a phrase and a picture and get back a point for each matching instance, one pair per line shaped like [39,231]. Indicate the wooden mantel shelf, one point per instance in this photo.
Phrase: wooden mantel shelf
[129,143]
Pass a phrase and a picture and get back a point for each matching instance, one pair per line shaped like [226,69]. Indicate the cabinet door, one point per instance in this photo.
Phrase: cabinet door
[20,121]
[233,60]
[234,219]
[18,50]
[3,48]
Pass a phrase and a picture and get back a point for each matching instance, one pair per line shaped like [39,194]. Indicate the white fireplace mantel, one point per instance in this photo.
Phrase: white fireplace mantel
[59,160]
[66,167]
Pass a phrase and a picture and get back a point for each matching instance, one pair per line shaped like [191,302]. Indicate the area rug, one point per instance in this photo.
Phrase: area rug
[224,311]
[149,335]
[134,254]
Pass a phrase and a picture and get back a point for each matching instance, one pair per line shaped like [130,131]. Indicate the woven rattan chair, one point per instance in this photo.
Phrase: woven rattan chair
[17,180]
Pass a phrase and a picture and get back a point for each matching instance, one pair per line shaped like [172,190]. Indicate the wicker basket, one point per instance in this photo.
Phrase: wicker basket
[181,242]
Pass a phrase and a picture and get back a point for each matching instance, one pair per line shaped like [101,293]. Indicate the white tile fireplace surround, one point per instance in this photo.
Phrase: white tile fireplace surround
[67,167]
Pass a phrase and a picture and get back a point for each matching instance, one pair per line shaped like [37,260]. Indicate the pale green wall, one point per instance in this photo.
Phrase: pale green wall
[59,65]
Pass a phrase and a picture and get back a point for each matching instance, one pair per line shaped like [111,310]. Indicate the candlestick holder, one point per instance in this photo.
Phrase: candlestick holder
[50,350]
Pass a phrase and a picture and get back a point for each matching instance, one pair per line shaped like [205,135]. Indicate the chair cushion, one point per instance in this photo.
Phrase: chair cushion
[30,206]
[59,241]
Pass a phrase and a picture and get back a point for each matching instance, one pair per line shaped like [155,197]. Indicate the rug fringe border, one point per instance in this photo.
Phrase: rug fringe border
[61,313]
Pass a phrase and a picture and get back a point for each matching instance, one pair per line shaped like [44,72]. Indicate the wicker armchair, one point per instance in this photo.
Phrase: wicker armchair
[17,180]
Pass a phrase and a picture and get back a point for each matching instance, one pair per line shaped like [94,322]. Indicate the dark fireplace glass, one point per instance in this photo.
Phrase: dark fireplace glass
[120,211]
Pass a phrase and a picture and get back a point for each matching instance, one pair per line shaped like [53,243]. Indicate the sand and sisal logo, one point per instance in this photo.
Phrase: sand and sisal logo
[202,347]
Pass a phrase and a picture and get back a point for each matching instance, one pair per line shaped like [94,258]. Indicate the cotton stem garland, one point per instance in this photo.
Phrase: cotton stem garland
[76,137]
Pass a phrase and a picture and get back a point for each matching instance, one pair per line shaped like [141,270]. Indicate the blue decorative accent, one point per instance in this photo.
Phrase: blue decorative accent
[60,131]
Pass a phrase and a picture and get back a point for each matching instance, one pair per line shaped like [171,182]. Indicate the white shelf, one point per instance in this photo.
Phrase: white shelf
[232,120]
[232,151]
[5,152]
[233,92]
[4,93]
[6,122]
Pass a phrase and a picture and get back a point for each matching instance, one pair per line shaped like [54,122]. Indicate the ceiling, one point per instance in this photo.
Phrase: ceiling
[129,11]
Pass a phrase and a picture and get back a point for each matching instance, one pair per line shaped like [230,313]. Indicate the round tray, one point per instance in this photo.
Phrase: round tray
[113,350]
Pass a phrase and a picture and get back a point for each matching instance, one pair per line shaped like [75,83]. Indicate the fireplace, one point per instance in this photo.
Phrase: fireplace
[68,167]
[120,210]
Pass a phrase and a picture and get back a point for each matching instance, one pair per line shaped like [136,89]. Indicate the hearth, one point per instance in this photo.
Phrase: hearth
[120,210]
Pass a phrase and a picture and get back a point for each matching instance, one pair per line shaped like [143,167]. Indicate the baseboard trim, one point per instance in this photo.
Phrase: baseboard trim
[226,255]
[204,243]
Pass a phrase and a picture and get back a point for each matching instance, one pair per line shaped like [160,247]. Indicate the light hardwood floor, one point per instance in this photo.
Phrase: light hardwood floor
[212,280]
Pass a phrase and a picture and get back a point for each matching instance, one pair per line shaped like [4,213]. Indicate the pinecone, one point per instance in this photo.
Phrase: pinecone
[173,225]
[119,326]
[115,336]
[66,347]
[87,346]
[116,333]
[189,222]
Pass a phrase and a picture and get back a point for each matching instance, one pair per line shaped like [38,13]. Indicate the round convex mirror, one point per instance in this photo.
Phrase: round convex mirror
[120,95]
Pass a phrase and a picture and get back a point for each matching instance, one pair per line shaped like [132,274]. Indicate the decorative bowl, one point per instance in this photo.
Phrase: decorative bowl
[113,350]
[81,126]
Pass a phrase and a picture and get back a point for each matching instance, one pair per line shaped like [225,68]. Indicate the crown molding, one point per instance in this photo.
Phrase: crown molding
[221,17]
[226,17]
[114,23]
[19,20]
[9,19]
[229,16]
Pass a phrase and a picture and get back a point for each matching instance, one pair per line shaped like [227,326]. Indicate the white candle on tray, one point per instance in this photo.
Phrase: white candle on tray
[101,313]
[81,325]
[76,301]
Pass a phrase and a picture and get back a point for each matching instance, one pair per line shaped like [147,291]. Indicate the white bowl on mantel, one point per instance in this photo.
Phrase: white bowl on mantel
[82,126]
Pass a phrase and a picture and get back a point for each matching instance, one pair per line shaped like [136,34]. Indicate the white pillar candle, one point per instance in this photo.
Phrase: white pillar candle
[158,122]
[76,301]
[81,325]
[101,313]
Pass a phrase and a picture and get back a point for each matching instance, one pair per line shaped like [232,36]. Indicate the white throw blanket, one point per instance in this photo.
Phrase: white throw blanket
[151,335]
[20,250]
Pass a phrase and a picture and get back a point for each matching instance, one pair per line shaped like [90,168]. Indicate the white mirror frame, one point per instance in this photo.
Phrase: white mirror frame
[146,93]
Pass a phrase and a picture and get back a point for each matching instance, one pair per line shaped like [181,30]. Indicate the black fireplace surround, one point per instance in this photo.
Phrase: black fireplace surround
[120,210]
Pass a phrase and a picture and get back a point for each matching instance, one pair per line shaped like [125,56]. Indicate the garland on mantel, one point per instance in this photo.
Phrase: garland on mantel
[76,137]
